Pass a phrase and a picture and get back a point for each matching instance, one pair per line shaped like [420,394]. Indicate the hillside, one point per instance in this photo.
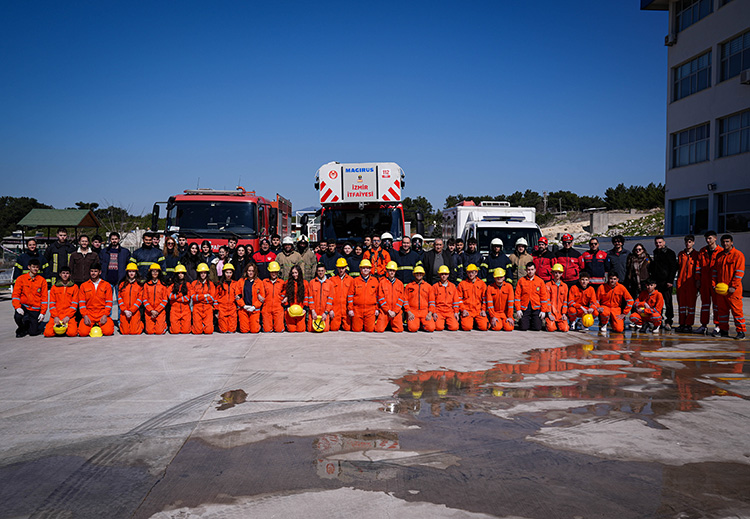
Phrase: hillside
[636,223]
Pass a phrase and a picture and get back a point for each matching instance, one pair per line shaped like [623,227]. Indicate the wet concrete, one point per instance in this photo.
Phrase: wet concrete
[531,425]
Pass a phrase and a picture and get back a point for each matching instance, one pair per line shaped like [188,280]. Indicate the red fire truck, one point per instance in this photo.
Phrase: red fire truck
[215,215]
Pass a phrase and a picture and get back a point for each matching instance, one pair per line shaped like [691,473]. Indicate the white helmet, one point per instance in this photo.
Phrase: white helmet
[417,237]
[386,236]
[522,241]
[287,241]
[496,241]
[302,237]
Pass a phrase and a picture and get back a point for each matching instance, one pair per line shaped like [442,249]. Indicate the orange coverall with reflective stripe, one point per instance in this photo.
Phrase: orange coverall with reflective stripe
[155,297]
[129,298]
[390,297]
[703,271]
[272,312]
[362,299]
[687,291]
[180,317]
[249,321]
[556,318]
[226,306]
[652,314]
[379,259]
[611,301]
[419,299]
[63,302]
[95,302]
[30,293]
[579,299]
[472,300]
[341,321]
[500,304]
[203,296]
[295,324]
[730,268]
[320,300]
[447,305]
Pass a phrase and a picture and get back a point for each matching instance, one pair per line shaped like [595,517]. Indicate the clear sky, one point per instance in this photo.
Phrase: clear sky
[126,103]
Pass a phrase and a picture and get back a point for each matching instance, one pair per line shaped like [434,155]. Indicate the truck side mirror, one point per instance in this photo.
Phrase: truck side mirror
[303,221]
[155,218]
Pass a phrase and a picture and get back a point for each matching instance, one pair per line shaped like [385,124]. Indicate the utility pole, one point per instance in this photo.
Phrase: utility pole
[545,201]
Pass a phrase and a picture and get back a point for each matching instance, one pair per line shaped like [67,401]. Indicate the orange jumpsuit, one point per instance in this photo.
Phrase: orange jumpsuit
[447,305]
[703,271]
[63,302]
[272,312]
[129,298]
[341,321]
[556,318]
[531,294]
[180,318]
[30,293]
[472,299]
[379,258]
[225,302]
[249,321]
[579,299]
[730,268]
[203,296]
[95,302]
[295,324]
[687,292]
[419,299]
[500,302]
[611,301]
[363,300]
[652,314]
[390,297]
[320,299]
[155,298]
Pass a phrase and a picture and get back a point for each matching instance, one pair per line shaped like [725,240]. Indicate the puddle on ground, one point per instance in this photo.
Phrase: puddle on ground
[231,398]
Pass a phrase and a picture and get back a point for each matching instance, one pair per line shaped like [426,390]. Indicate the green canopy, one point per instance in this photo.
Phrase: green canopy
[60,218]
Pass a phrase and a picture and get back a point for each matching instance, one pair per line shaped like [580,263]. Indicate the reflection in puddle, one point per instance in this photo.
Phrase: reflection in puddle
[231,398]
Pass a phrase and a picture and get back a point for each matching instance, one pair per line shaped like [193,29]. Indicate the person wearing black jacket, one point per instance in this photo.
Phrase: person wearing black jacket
[663,269]
[406,259]
[329,257]
[57,255]
[22,261]
[434,259]
[468,257]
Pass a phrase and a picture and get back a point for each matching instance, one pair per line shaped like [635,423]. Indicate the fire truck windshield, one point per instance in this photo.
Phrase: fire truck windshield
[509,236]
[353,225]
[214,217]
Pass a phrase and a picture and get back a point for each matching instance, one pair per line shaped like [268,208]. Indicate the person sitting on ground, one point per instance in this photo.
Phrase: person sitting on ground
[648,308]
[63,303]
[419,303]
[30,300]
[471,292]
[532,300]
[615,303]
[129,299]
[95,304]
[499,300]
[582,301]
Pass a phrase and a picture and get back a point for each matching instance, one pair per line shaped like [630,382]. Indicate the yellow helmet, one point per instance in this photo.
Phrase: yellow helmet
[60,328]
[296,311]
[444,269]
[228,266]
[392,265]
[416,393]
[154,266]
[499,272]
[274,266]
[557,267]
[131,266]
[471,268]
[418,269]
[722,288]
[180,268]
[202,267]
[95,331]
[496,391]
[588,320]
[341,262]
[442,392]
[319,324]
[365,263]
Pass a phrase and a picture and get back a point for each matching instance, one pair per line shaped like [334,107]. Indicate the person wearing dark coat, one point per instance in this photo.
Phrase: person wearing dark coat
[22,261]
[663,270]
[57,255]
[406,259]
[434,259]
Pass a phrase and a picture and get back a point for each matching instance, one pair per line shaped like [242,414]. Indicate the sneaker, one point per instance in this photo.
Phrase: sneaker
[578,326]
[603,329]
[644,328]
[701,331]
[655,329]
[740,336]
[667,327]
[720,333]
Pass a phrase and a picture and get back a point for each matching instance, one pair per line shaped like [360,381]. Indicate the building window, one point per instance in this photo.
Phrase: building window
[734,134]
[735,56]
[691,77]
[690,146]
[689,215]
[690,12]
[734,211]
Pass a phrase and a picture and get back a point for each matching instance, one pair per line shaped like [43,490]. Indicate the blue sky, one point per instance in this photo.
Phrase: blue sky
[126,103]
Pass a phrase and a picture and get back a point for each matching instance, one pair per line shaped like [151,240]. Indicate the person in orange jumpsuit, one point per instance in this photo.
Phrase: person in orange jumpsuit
[729,269]
[557,317]
[447,302]
[272,311]
[471,292]
[63,303]
[341,282]
[95,303]
[377,256]
[180,317]
[687,285]
[320,298]
[390,301]
[499,300]
[419,303]
[532,300]
[226,305]
[203,296]
[648,308]
[582,301]
[296,291]
[129,299]
[155,297]
[362,299]
[704,284]
[615,303]
[249,294]
[30,301]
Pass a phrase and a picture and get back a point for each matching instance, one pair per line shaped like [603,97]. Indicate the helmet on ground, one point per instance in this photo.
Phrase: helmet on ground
[722,288]
[180,268]
[418,270]
[496,241]
[131,266]
[588,320]
[274,266]
[543,240]
[522,241]
[287,241]
[341,262]
[496,391]
[60,328]
[228,266]
[416,393]
[365,263]
[95,331]
[296,311]
[392,265]
[302,237]
[557,267]
[499,272]
[444,269]
[319,324]
[417,237]
[202,267]
[442,391]
[386,236]
[471,268]
[567,237]
[154,266]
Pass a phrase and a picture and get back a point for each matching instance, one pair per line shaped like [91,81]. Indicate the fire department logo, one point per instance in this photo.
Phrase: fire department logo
[333,174]
[359,178]
[386,173]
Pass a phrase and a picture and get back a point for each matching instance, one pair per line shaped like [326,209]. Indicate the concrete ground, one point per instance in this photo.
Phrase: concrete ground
[521,424]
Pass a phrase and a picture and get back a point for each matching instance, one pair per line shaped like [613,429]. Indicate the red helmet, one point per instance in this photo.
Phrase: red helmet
[543,240]
[567,237]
